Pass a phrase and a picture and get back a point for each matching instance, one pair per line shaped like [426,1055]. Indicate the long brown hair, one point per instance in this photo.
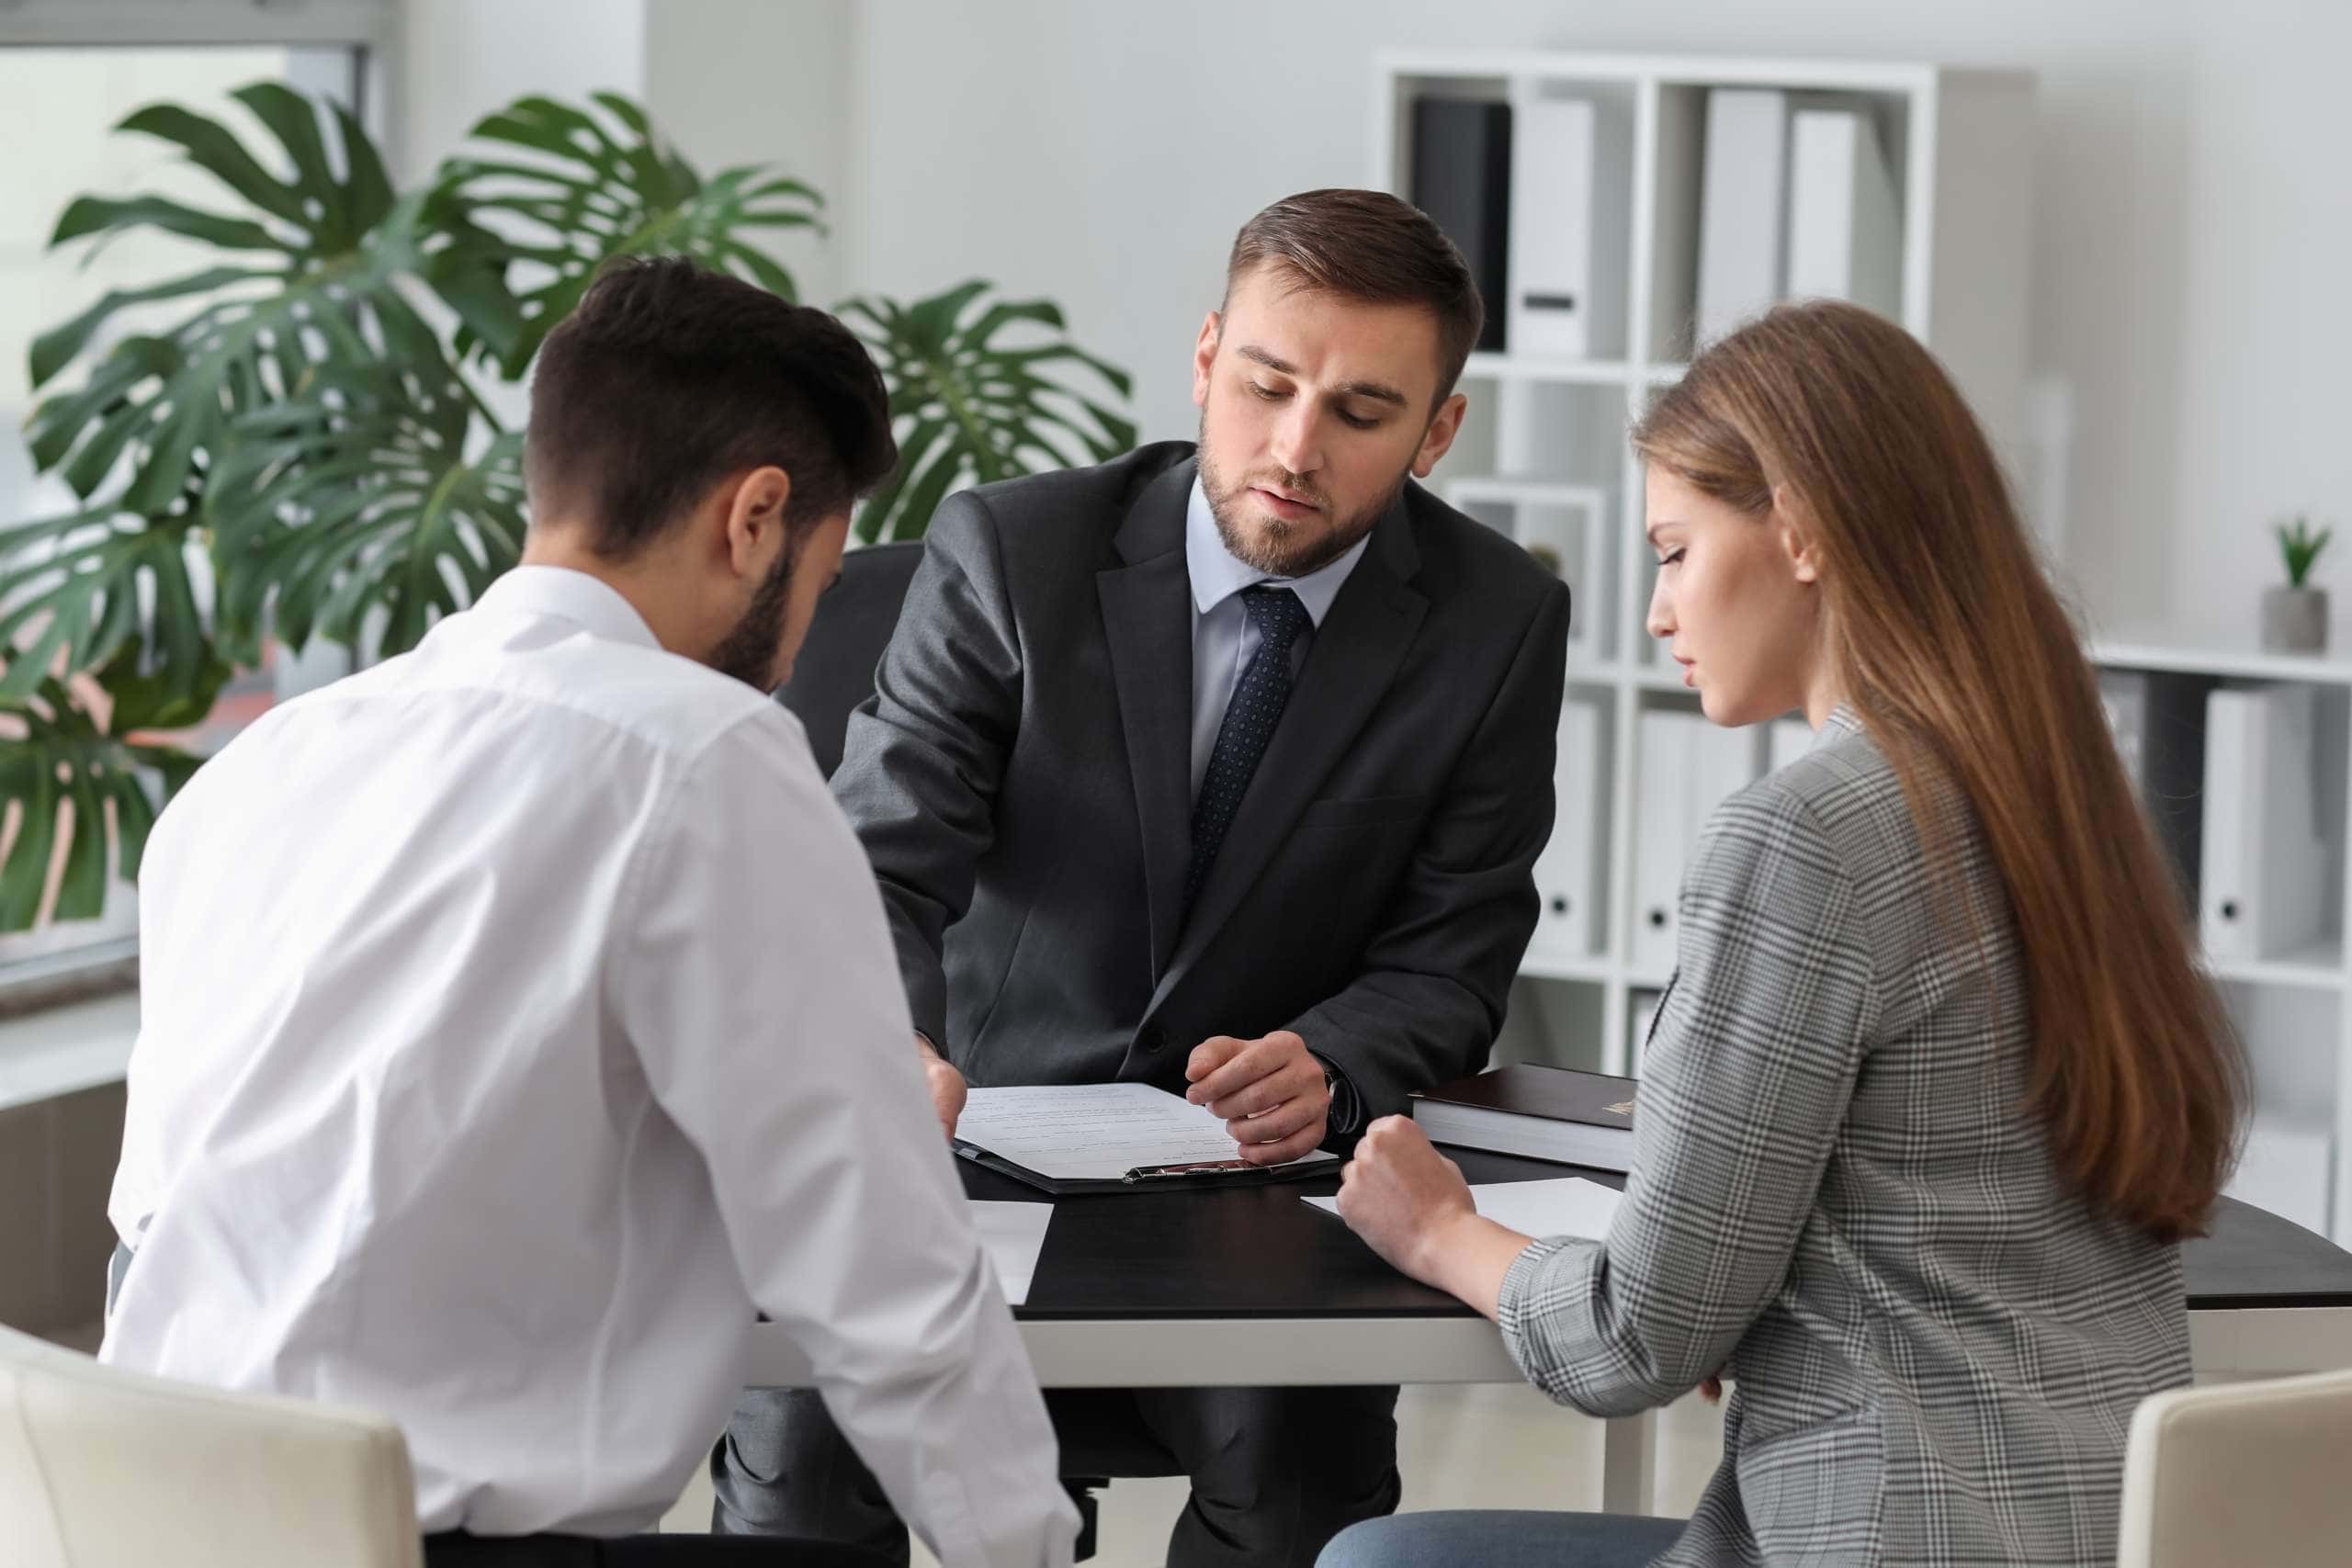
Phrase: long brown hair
[1965,666]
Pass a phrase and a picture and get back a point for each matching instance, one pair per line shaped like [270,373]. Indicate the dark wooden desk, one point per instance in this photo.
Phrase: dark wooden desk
[1143,1288]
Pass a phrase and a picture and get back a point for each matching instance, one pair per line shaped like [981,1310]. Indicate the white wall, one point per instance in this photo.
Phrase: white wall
[748,83]
[461,58]
[2193,209]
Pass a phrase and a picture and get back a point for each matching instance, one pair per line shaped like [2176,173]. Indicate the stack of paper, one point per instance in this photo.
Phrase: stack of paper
[1569,1206]
[1095,1137]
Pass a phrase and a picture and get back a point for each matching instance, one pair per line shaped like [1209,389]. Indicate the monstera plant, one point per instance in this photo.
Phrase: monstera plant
[307,453]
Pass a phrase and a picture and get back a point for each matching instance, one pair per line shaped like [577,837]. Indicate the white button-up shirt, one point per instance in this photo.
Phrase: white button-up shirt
[517,1016]
[1223,639]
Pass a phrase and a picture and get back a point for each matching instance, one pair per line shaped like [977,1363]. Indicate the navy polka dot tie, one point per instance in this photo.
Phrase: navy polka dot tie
[1258,701]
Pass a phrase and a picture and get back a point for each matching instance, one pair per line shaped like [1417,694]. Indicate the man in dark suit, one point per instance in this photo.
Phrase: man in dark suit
[1223,770]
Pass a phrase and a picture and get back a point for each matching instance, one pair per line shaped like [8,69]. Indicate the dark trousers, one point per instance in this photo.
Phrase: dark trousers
[1276,1471]
[457,1549]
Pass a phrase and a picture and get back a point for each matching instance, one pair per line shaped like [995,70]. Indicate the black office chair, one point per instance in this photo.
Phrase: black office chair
[835,669]
[832,675]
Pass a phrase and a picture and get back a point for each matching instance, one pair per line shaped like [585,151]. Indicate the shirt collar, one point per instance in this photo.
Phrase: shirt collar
[1217,575]
[590,603]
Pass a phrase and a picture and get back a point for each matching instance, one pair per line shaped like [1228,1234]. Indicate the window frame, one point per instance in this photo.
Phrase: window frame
[372,31]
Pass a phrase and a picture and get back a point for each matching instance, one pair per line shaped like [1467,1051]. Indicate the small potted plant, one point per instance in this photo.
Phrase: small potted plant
[2295,618]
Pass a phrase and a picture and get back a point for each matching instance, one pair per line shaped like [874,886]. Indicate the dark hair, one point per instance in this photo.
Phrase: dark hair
[667,378]
[1369,246]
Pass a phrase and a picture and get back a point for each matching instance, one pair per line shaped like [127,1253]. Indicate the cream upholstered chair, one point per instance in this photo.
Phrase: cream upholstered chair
[101,1468]
[2246,1472]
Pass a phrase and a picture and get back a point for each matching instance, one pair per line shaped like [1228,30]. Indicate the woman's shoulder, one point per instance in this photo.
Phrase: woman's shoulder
[1842,800]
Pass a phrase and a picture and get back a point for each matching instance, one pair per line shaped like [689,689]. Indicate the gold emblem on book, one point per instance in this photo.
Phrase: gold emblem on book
[1623,1108]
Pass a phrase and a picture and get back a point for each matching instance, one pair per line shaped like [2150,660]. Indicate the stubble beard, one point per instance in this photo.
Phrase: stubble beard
[1276,546]
[749,651]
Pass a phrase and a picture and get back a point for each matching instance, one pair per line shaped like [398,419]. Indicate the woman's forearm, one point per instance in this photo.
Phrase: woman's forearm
[1469,1259]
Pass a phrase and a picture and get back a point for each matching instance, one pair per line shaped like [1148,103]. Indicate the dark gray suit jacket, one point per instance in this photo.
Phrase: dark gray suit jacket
[1021,778]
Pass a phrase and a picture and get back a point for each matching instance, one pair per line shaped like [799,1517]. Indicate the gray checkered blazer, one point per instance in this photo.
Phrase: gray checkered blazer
[1837,1200]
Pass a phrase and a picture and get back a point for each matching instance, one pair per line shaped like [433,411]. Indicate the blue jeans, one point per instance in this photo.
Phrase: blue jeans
[1501,1540]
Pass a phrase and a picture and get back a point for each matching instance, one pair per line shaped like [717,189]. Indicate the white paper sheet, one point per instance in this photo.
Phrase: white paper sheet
[1568,1205]
[1013,1235]
[1094,1132]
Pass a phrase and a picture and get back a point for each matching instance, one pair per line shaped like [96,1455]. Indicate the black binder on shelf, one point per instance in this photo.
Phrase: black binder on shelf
[1461,177]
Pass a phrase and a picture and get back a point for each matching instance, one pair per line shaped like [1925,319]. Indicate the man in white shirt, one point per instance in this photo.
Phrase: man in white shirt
[519,1015]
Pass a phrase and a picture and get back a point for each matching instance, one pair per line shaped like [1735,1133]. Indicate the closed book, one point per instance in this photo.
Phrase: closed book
[1553,1113]
[1461,156]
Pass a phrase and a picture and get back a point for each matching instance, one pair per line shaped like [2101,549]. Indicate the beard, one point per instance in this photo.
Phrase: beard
[750,650]
[1276,546]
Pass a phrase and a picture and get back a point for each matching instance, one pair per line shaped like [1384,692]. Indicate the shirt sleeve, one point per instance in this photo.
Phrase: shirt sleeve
[753,975]
[1744,1090]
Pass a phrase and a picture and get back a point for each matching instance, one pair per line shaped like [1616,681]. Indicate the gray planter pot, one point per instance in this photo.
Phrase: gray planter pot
[2294,620]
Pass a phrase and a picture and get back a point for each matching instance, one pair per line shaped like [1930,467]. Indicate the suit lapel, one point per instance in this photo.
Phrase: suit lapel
[1355,655]
[1147,622]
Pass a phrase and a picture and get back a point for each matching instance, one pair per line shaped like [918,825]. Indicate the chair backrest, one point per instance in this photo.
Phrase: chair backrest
[102,1468]
[835,669]
[2241,1473]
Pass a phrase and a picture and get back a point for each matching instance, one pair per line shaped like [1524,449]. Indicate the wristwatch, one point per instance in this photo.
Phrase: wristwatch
[1339,1115]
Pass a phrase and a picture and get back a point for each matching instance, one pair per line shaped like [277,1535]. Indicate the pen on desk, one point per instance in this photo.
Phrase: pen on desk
[1143,1172]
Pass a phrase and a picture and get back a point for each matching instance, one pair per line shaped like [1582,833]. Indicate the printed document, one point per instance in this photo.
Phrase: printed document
[1094,1132]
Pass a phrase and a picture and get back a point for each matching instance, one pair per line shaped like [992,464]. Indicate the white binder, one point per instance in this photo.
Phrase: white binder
[1688,767]
[2261,893]
[1844,233]
[1742,204]
[1568,241]
[1663,770]
[1551,228]
[1568,875]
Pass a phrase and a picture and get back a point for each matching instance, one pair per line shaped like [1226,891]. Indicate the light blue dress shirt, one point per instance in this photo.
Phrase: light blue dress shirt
[1223,642]
[1223,637]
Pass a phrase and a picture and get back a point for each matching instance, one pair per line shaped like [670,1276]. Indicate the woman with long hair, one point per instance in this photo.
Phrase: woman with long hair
[1937,1088]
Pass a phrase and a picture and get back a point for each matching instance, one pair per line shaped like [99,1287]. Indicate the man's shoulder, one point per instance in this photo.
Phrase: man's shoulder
[1090,500]
[583,685]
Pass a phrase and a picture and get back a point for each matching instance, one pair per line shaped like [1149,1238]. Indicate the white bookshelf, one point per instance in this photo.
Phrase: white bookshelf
[1547,432]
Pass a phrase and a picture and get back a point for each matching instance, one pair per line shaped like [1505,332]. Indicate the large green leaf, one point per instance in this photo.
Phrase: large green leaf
[968,409]
[376,490]
[568,190]
[324,247]
[91,583]
[95,788]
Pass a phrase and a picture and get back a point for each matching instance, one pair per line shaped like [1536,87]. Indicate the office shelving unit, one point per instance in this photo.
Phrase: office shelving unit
[1543,458]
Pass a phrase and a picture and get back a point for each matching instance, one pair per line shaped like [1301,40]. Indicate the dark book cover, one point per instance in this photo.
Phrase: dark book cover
[1555,1094]
[1461,177]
